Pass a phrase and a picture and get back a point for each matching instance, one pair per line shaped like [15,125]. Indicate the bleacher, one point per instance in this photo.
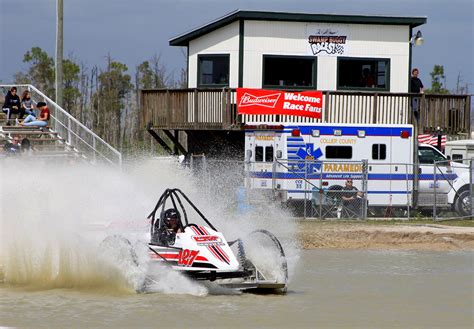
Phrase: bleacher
[64,137]
[44,141]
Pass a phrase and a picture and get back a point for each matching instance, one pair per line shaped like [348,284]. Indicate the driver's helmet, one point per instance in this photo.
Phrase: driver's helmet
[171,218]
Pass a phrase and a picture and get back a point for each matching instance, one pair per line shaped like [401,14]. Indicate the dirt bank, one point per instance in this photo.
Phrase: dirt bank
[350,235]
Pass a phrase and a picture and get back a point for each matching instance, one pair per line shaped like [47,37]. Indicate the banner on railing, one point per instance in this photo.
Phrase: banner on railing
[271,102]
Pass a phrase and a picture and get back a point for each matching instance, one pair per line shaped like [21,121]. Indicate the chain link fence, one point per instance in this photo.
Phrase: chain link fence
[453,184]
[342,189]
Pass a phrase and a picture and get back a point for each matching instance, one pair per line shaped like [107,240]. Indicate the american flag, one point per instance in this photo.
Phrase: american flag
[431,139]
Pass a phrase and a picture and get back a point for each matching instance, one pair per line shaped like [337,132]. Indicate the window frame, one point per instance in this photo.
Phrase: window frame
[339,146]
[266,153]
[262,153]
[200,57]
[314,72]
[434,151]
[388,66]
[379,151]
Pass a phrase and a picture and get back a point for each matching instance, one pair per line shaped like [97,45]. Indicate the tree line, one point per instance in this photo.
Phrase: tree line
[104,98]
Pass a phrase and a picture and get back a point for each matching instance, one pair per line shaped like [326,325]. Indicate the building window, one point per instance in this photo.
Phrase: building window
[363,74]
[379,151]
[213,70]
[289,72]
[338,152]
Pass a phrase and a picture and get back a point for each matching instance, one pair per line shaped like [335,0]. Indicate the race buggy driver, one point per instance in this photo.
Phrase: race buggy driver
[170,225]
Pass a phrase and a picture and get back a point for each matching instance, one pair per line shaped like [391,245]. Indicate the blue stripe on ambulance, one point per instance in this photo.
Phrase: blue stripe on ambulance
[302,174]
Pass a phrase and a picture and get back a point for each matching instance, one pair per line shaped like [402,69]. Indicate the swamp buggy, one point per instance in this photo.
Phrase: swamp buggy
[201,252]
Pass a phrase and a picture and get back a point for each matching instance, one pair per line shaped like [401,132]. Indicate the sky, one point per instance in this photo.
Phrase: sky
[132,31]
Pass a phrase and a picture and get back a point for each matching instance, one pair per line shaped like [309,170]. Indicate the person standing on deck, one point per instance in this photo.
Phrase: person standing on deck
[416,86]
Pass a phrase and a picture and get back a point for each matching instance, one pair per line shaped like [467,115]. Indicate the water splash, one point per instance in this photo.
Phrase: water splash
[53,218]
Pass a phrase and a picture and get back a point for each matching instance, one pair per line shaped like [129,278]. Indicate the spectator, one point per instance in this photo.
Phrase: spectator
[26,145]
[27,103]
[351,198]
[416,86]
[13,147]
[367,80]
[43,119]
[12,105]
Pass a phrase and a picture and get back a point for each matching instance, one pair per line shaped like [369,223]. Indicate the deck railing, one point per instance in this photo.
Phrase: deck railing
[72,130]
[215,109]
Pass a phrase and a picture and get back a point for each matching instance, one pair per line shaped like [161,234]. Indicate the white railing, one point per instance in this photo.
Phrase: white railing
[72,130]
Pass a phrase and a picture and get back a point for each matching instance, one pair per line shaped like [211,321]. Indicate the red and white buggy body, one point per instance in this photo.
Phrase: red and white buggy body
[198,248]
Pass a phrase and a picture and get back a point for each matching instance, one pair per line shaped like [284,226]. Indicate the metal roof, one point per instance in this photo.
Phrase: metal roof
[183,39]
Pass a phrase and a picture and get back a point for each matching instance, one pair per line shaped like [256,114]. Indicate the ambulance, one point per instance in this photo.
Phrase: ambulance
[295,159]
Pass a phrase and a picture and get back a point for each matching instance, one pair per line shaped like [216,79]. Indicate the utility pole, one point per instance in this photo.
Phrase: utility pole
[59,52]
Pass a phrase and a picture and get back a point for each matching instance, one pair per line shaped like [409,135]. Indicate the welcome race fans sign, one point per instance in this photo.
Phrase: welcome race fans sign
[270,102]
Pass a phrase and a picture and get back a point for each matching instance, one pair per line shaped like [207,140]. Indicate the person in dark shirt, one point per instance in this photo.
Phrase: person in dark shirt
[12,105]
[416,86]
[13,147]
[352,198]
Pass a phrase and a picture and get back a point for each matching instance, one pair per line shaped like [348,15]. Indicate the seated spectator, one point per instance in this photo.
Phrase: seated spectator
[351,197]
[43,119]
[27,103]
[12,105]
[13,147]
[26,146]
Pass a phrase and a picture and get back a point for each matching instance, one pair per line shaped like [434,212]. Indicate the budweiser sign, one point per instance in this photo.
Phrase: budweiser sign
[266,101]
[260,101]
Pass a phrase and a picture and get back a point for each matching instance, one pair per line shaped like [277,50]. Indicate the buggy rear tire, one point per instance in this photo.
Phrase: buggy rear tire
[283,262]
[121,248]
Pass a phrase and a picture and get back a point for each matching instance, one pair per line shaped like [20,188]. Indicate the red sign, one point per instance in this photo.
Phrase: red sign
[260,101]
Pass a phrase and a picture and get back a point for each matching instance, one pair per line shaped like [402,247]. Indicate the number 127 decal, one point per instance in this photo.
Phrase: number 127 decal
[186,257]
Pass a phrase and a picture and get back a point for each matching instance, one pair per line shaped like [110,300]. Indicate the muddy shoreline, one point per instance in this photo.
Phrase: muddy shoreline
[353,235]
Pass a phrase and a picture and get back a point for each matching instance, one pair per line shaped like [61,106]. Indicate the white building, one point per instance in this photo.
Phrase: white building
[268,50]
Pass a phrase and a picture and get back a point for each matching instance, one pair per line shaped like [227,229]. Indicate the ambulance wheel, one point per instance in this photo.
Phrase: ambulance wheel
[463,203]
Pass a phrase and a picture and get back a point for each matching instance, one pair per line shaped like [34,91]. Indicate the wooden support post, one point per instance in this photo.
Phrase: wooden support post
[225,119]
[196,101]
[176,142]
[168,107]
[467,117]
[159,139]
[375,108]
[326,106]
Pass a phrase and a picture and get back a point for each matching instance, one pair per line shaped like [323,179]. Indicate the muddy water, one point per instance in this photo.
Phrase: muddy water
[330,289]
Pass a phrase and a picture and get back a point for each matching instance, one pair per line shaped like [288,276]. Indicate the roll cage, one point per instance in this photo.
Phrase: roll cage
[176,196]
